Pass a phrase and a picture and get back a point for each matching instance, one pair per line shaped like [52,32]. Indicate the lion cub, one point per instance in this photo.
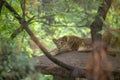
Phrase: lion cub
[74,43]
[70,43]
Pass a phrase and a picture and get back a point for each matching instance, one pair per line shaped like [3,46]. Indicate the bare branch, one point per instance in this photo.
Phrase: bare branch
[18,30]
[30,19]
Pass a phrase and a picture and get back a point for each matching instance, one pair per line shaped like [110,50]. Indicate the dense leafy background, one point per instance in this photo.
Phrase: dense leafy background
[54,19]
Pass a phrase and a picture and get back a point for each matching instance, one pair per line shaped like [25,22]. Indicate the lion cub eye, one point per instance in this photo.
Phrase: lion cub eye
[61,42]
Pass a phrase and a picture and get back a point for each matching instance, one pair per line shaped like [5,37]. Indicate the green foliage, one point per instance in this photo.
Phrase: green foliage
[54,19]
[39,76]
[11,58]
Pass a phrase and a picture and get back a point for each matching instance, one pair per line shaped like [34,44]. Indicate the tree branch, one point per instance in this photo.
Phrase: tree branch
[1,5]
[12,10]
[44,65]
[18,30]
[97,24]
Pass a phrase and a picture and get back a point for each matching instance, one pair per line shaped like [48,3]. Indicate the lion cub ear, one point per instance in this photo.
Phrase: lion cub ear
[54,40]
[65,38]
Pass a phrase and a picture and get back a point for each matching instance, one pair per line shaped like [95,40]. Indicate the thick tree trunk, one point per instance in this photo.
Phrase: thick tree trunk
[97,24]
